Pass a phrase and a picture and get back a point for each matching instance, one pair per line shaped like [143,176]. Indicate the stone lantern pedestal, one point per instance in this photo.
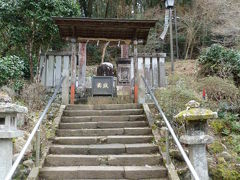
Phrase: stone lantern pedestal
[8,131]
[196,137]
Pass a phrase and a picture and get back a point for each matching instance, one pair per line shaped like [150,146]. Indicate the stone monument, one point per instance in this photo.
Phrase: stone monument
[8,131]
[196,135]
[124,76]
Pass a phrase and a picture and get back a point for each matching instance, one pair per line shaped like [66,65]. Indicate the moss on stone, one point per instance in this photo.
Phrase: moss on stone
[217,126]
[221,160]
[162,143]
[224,171]
[195,114]
[215,147]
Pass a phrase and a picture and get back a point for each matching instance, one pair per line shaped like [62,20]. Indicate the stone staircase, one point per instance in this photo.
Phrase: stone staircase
[110,141]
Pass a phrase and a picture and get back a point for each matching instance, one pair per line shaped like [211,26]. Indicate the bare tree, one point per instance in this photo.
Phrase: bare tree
[216,18]
[197,21]
[228,25]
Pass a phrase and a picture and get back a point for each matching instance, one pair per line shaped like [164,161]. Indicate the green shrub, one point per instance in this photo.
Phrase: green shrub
[224,171]
[17,85]
[215,147]
[235,141]
[189,82]
[220,61]
[231,121]
[221,90]
[175,96]
[93,54]
[235,126]
[11,68]
[217,126]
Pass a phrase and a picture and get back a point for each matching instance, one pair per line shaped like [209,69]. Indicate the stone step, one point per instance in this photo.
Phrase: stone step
[103,112]
[99,160]
[104,132]
[143,148]
[103,124]
[103,118]
[104,107]
[128,179]
[103,172]
[103,140]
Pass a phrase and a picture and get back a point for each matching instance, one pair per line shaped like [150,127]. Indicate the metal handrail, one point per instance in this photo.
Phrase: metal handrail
[35,129]
[185,157]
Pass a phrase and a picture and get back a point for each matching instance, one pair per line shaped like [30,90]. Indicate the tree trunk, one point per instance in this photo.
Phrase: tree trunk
[189,43]
[31,60]
[187,49]
[134,8]
[192,47]
[107,8]
[38,65]
[90,7]
[83,5]
[45,60]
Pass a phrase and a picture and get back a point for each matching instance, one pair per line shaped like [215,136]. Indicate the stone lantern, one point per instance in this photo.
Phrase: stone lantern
[196,137]
[8,131]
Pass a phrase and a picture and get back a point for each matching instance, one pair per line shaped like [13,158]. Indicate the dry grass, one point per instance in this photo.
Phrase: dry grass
[183,67]
[33,96]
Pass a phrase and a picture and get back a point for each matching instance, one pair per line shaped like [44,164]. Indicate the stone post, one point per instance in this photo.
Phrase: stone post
[162,73]
[124,72]
[135,61]
[196,135]
[8,131]
[65,84]
[141,85]
[82,55]
[73,70]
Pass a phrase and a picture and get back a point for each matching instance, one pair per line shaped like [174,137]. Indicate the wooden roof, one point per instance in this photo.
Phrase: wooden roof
[104,29]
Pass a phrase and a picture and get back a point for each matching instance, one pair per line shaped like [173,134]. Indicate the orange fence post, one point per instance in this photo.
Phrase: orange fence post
[72,93]
[136,93]
[73,73]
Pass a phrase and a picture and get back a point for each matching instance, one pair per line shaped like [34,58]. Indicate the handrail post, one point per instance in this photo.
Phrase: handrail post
[167,146]
[65,84]
[38,136]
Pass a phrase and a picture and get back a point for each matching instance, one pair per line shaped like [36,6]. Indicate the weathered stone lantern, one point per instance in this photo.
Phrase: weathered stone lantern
[196,135]
[8,131]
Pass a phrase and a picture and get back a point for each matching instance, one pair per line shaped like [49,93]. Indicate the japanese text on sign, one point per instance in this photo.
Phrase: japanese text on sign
[102,85]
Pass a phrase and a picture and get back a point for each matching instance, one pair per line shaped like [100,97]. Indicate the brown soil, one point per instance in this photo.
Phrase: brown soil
[183,67]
